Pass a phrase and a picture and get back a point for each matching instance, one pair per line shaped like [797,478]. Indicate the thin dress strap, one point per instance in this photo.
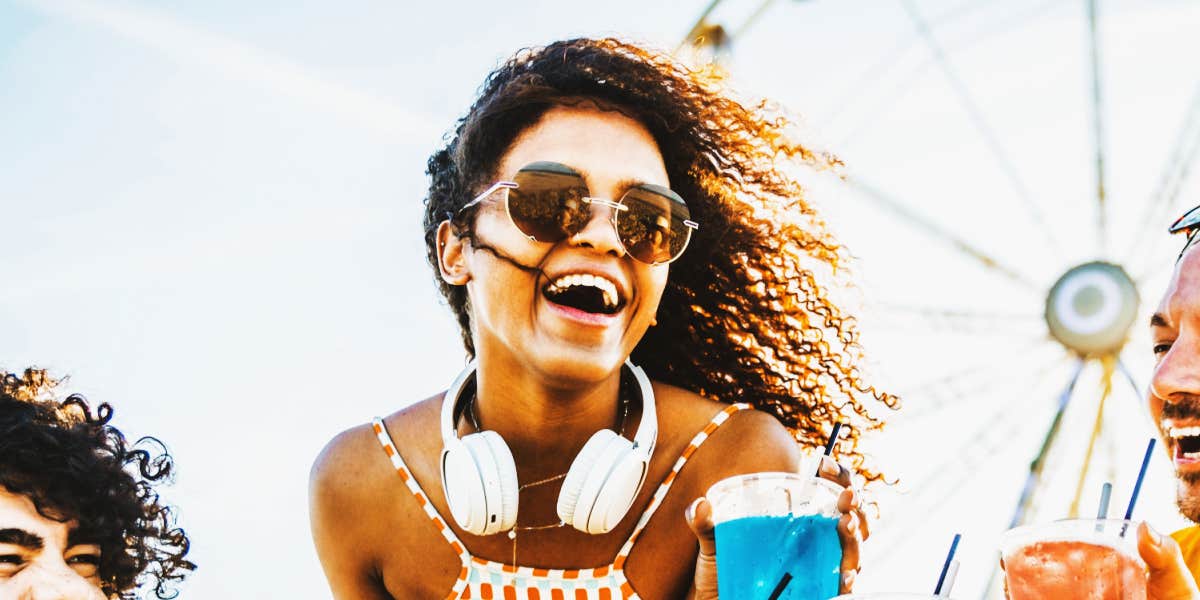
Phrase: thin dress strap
[406,476]
[665,486]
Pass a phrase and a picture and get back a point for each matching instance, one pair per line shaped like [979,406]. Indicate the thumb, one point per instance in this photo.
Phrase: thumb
[699,519]
[1169,578]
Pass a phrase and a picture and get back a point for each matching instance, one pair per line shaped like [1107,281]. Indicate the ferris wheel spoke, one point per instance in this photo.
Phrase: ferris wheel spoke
[1098,129]
[961,466]
[962,321]
[973,382]
[990,139]
[939,233]
[1171,181]
[1138,391]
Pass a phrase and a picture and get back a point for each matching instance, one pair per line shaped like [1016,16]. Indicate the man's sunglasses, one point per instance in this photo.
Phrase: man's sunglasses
[549,202]
[1188,225]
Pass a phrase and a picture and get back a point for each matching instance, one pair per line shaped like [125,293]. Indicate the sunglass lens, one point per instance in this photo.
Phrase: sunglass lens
[652,228]
[547,203]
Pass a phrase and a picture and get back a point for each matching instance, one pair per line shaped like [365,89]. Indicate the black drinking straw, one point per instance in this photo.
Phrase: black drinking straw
[783,583]
[1137,487]
[937,591]
[833,437]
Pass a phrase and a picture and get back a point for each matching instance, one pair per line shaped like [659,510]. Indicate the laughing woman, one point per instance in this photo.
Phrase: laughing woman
[599,207]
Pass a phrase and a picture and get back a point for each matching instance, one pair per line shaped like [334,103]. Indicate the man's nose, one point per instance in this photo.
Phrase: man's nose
[1178,373]
[57,582]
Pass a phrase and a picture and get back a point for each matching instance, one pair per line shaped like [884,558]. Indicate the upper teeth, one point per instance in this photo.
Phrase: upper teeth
[608,288]
[1178,432]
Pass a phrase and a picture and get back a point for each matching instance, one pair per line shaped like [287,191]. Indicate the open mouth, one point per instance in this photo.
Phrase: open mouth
[585,292]
[1186,441]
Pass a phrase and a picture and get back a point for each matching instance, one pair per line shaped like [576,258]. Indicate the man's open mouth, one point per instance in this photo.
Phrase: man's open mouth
[1186,441]
[585,292]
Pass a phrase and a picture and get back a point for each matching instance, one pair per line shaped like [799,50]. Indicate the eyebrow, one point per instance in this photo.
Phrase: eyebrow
[20,537]
[78,536]
[1159,320]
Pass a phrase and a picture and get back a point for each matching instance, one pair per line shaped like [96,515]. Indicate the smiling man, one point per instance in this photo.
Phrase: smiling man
[79,519]
[1175,387]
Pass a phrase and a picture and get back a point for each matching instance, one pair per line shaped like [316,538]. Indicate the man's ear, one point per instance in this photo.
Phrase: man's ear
[452,255]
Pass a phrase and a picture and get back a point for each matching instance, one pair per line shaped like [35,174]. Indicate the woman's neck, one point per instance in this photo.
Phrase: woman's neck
[544,422]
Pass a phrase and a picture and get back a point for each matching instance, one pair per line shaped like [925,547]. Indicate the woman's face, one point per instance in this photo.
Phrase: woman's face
[526,316]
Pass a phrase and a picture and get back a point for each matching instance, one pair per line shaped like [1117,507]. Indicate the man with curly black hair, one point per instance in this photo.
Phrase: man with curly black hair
[79,517]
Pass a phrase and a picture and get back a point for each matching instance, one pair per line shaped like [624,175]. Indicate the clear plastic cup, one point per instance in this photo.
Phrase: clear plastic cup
[773,530]
[1074,559]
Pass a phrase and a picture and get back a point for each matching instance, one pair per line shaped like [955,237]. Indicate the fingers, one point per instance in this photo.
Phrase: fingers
[1170,578]
[834,471]
[699,519]
[850,500]
[848,531]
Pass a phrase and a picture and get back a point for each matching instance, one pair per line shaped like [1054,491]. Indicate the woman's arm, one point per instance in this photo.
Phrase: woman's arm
[338,518]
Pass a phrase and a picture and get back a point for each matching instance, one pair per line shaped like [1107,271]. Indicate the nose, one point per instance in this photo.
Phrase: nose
[56,583]
[1178,373]
[599,232]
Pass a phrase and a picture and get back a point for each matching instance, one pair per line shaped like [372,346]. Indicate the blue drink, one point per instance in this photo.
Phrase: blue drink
[773,528]
[754,553]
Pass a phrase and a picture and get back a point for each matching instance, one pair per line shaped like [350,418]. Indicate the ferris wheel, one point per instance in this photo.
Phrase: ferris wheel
[1053,406]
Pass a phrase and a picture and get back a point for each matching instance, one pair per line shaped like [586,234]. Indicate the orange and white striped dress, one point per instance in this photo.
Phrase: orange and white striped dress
[488,579]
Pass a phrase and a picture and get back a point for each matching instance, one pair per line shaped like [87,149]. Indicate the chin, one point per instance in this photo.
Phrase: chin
[1188,496]
[579,365]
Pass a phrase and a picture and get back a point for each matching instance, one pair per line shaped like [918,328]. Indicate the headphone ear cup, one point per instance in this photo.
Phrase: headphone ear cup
[463,486]
[494,465]
[506,469]
[592,495]
[568,495]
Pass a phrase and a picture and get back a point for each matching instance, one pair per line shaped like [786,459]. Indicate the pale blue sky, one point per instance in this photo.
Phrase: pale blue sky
[211,220]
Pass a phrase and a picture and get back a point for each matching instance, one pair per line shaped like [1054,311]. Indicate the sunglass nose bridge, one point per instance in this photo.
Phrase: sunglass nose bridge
[605,202]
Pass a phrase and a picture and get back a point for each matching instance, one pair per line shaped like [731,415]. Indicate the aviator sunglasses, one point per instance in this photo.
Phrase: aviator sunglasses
[549,202]
[1188,225]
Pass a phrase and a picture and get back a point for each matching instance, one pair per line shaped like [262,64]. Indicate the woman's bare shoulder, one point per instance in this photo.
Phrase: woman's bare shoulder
[353,468]
[749,440]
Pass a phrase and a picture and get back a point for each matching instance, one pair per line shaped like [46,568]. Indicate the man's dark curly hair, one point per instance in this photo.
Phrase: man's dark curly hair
[73,465]
[746,315]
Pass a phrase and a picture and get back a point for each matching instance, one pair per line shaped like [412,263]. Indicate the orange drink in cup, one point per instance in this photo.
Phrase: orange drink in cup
[1075,559]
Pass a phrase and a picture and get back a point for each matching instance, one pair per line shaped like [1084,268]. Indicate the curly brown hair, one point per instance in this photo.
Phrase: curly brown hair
[747,314]
[73,465]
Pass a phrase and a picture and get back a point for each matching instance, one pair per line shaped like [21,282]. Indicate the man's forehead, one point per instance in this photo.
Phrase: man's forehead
[18,512]
[1182,298]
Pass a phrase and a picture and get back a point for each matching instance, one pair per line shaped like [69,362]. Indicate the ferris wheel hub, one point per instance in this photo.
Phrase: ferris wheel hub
[1091,308]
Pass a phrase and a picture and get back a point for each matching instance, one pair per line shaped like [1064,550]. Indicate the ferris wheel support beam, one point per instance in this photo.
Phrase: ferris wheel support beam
[1109,368]
[1035,468]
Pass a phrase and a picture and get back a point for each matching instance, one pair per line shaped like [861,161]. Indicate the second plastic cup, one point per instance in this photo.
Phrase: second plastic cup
[1075,559]
[776,537]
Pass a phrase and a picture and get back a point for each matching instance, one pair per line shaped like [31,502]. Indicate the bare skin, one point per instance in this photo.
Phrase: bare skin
[546,382]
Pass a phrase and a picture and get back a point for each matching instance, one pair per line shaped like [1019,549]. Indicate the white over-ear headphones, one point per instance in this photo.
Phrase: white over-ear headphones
[480,478]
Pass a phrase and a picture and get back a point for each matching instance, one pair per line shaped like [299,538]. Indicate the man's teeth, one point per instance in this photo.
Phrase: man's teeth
[1180,432]
[608,288]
